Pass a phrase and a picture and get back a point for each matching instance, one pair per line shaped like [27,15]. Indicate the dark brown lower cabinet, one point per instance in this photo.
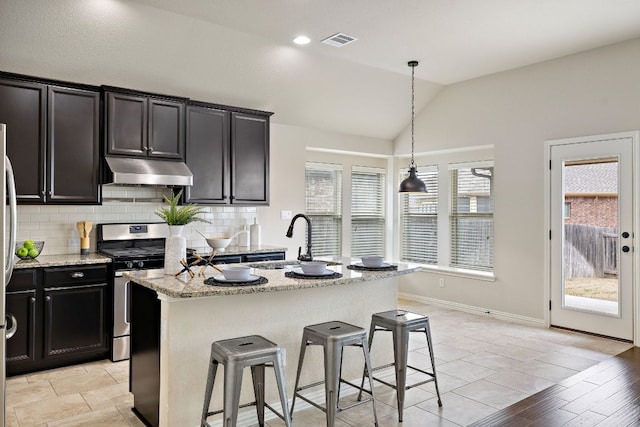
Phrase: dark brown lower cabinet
[21,314]
[74,320]
[144,365]
[61,317]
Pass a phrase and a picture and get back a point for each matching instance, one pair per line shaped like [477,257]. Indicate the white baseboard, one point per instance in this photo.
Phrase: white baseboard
[501,315]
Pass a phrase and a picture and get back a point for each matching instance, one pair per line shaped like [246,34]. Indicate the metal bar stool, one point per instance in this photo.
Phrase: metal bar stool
[401,323]
[236,354]
[333,337]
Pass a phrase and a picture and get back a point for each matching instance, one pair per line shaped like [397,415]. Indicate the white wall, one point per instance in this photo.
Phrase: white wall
[590,93]
[289,151]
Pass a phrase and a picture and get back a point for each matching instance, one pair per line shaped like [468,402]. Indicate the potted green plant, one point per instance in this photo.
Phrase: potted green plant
[180,215]
[176,218]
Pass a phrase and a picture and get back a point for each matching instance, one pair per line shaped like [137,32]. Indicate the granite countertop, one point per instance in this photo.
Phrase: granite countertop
[95,258]
[60,261]
[184,286]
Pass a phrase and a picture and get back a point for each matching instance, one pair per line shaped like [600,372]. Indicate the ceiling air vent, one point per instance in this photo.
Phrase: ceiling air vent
[339,40]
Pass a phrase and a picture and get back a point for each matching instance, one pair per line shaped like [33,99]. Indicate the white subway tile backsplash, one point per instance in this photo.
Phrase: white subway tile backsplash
[56,225]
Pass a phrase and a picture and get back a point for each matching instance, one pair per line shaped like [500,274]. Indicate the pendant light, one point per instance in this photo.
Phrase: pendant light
[412,184]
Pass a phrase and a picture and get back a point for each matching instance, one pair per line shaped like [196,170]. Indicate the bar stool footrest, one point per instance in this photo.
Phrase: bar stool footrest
[246,405]
[339,409]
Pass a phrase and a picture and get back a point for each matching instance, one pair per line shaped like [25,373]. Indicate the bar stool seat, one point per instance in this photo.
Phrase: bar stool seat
[235,354]
[401,323]
[333,337]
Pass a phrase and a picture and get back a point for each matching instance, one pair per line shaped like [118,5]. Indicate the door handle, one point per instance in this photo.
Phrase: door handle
[625,249]
[625,234]
[13,218]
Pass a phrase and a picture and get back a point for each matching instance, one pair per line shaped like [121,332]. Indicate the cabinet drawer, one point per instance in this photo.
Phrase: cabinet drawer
[66,276]
[23,280]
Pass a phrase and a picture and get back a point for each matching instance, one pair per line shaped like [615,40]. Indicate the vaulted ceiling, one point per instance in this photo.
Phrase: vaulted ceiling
[240,52]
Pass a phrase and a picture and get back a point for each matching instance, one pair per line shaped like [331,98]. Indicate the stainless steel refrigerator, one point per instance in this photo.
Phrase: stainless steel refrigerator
[6,255]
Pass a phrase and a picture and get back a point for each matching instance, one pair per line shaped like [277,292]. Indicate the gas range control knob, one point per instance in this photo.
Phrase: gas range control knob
[140,264]
[129,264]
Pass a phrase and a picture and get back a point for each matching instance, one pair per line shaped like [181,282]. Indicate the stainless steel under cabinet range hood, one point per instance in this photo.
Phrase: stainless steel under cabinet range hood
[132,171]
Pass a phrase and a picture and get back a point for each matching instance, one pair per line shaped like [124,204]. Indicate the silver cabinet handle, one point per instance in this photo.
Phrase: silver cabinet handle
[77,275]
[14,326]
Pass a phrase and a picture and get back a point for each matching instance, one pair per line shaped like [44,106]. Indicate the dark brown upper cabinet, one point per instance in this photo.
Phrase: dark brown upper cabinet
[228,154]
[208,155]
[53,140]
[249,159]
[143,125]
[73,149]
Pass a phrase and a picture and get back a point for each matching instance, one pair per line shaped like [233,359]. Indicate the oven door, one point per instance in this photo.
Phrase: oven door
[121,325]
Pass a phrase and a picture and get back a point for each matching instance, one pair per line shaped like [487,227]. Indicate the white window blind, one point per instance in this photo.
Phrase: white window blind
[419,220]
[471,216]
[367,211]
[323,183]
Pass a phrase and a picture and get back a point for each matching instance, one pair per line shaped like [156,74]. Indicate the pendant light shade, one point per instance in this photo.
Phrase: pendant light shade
[412,184]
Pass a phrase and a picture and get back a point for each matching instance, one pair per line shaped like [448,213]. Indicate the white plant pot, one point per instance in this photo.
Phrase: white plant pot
[175,249]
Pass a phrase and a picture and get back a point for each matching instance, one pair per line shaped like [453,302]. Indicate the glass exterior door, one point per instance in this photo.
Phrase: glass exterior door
[591,236]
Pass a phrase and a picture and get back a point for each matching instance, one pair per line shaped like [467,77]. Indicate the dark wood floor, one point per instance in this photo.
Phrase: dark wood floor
[607,394]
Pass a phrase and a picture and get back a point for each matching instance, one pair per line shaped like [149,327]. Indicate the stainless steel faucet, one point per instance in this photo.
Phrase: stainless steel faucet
[301,256]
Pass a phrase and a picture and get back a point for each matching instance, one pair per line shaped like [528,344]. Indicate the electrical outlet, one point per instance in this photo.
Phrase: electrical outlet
[441,283]
[286,215]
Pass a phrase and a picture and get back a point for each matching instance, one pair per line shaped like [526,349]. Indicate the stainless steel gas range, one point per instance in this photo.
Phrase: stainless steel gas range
[131,247]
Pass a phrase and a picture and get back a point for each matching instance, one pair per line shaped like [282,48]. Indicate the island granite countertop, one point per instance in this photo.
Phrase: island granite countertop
[183,286]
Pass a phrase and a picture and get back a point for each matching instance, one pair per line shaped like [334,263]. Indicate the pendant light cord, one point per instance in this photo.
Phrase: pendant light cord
[413,68]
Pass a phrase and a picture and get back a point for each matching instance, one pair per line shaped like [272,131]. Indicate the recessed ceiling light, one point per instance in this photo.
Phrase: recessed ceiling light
[302,40]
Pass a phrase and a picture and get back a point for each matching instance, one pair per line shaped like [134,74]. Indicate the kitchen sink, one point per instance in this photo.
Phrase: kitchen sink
[283,265]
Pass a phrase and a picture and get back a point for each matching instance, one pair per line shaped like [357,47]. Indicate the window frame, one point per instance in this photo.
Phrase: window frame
[374,220]
[459,254]
[323,219]
[410,244]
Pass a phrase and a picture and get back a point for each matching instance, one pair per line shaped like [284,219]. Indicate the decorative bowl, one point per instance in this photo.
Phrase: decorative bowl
[372,260]
[37,244]
[313,267]
[236,273]
[218,243]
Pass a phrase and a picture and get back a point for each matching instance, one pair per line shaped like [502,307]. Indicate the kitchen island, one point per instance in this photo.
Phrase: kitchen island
[175,319]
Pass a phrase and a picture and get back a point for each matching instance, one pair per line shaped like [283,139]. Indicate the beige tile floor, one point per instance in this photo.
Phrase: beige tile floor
[483,365]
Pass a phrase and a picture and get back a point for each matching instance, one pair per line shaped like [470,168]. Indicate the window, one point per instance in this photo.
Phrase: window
[367,211]
[471,216]
[419,220]
[323,183]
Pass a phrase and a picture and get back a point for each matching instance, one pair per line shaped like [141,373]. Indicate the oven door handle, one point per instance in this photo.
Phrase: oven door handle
[127,294]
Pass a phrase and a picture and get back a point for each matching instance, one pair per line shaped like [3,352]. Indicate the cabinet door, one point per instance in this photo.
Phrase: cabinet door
[23,110]
[144,365]
[126,124]
[21,347]
[249,159]
[207,155]
[73,146]
[75,320]
[166,129]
